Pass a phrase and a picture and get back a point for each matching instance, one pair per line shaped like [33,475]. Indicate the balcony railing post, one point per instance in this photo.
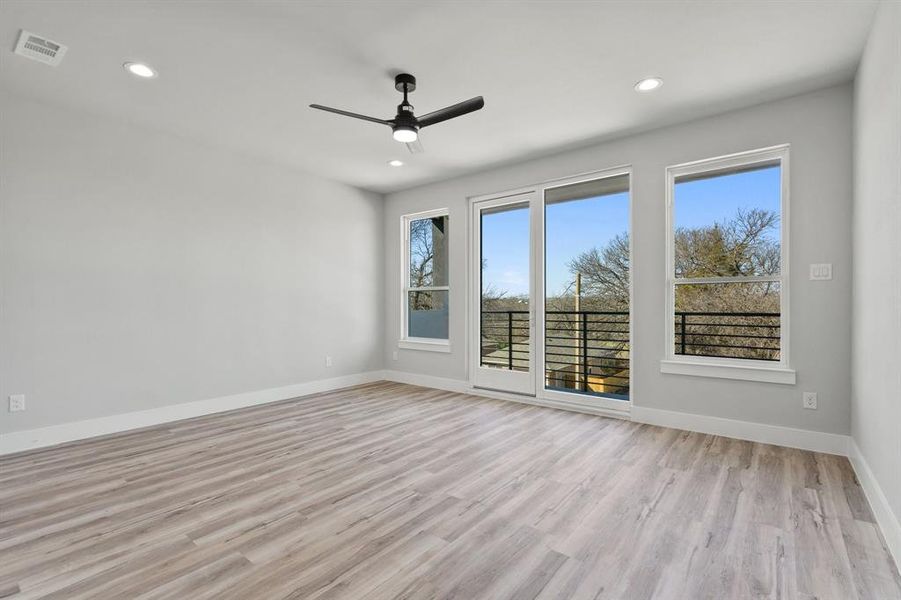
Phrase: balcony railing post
[584,352]
[510,339]
[682,326]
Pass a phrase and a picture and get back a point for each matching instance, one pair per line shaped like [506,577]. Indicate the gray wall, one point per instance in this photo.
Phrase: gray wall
[876,405]
[818,125]
[141,270]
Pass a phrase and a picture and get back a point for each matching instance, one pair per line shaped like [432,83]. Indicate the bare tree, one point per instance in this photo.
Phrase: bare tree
[428,261]
[741,246]
[422,253]
[605,272]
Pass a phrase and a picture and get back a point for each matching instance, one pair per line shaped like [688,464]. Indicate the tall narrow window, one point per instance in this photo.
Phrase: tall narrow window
[727,269]
[425,277]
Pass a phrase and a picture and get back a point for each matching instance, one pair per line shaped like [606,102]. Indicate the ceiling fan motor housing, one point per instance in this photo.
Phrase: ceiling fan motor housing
[405,119]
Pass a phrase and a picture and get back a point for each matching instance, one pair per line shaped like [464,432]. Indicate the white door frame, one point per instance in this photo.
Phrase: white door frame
[558,396]
[517,382]
[536,195]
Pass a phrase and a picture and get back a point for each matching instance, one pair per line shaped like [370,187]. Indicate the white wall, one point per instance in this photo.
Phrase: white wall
[818,126]
[141,270]
[876,405]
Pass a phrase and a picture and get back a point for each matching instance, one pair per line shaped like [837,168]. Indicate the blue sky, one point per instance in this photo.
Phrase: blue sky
[505,250]
[706,201]
[576,226]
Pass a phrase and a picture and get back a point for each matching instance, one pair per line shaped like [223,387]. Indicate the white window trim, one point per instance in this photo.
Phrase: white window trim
[405,341]
[730,368]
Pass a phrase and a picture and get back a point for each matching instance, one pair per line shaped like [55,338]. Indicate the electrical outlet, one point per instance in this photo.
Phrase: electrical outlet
[17,403]
[394,355]
[810,400]
[328,361]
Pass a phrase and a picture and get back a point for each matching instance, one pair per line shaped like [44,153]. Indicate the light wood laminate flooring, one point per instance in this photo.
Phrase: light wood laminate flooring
[394,491]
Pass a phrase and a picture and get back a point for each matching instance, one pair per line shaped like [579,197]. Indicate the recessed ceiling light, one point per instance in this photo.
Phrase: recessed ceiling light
[396,163]
[648,84]
[140,70]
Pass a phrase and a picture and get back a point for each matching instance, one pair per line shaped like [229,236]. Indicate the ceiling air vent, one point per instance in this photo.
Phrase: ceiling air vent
[41,49]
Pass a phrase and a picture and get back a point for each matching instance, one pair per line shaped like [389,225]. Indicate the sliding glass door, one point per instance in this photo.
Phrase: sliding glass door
[551,289]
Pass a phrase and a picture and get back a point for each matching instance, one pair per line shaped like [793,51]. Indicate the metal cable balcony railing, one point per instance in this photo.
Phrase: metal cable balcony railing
[585,351]
[505,339]
[589,351]
[748,335]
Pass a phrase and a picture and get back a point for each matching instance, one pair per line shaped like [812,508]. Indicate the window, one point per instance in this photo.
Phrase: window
[727,295]
[424,312]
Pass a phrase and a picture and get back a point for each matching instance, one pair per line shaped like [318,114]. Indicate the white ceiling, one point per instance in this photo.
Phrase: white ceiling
[554,74]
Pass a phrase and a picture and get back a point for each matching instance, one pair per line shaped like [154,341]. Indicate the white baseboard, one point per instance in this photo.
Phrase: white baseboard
[17,441]
[430,381]
[464,387]
[887,520]
[804,439]
[56,434]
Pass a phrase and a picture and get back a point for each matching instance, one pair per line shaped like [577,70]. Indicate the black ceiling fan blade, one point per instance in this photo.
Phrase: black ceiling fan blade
[450,112]
[338,111]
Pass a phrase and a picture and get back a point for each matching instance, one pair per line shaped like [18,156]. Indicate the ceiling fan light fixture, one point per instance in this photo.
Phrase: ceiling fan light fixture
[405,135]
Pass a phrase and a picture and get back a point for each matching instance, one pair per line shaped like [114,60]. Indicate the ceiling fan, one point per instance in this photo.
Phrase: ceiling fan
[405,125]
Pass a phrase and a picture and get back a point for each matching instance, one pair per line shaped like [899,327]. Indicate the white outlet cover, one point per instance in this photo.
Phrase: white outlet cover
[810,400]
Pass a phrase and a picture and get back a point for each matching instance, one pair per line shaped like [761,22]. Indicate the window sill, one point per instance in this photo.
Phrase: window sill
[725,371]
[428,346]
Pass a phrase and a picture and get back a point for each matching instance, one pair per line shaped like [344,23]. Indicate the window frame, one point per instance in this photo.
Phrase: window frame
[406,341]
[729,368]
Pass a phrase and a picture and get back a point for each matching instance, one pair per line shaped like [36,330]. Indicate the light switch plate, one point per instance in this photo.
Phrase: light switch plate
[821,272]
